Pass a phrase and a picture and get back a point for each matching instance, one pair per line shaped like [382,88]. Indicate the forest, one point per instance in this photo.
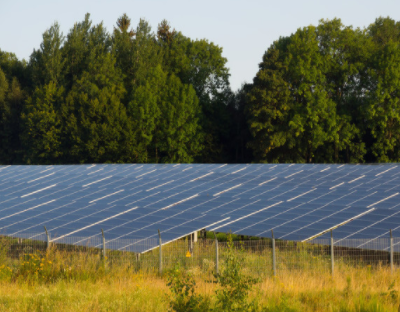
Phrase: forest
[325,94]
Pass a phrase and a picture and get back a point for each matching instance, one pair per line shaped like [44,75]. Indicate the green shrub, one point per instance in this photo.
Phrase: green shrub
[183,297]
[235,286]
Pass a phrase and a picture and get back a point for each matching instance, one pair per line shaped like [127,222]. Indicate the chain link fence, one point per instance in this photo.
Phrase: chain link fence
[205,257]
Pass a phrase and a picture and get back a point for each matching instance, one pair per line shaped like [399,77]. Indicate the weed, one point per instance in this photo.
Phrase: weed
[347,290]
[234,285]
[391,293]
[182,286]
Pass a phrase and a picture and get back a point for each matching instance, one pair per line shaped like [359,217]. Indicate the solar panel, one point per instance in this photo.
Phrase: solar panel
[131,202]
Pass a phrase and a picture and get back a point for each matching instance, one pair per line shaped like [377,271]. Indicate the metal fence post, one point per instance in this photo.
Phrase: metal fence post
[273,254]
[104,246]
[391,252]
[216,255]
[160,256]
[48,239]
[332,255]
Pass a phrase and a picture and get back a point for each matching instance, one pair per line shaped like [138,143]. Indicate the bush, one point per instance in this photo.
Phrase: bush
[234,289]
[182,287]
[231,295]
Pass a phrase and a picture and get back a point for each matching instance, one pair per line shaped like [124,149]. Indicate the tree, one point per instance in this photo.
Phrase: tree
[3,112]
[179,134]
[136,53]
[305,102]
[12,67]
[96,123]
[144,111]
[384,30]
[166,114]
[201,64]
[83,45]
[269,106]
[238,134]
[346,53]
[47,63]
[383,108]
[381,105]
[11,150]
[42,134]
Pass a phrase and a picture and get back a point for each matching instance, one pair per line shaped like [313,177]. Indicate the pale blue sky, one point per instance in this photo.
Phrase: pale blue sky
[244,29]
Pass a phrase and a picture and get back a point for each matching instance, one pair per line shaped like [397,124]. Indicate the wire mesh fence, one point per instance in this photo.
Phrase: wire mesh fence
[259,257]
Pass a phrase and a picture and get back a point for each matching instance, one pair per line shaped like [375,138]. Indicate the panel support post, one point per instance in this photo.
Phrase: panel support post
[104,246]
[216,255]
[273,254]
[48,239]
[332,255]
[160,255]
[391,252]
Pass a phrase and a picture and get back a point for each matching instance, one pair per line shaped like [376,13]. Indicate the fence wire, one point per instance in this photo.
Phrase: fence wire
[200,257]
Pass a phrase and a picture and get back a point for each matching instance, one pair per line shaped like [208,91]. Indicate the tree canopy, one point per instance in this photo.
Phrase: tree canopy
[327,93]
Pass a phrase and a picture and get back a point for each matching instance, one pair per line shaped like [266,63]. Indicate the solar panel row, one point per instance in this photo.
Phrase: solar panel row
[133,201]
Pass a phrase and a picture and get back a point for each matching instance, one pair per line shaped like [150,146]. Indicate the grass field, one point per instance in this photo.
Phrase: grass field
[128,291]
[61,281]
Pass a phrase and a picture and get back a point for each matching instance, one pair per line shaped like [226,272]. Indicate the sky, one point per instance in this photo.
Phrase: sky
[244,29]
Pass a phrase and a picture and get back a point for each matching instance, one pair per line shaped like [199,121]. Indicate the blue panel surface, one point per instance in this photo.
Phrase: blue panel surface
[131,202]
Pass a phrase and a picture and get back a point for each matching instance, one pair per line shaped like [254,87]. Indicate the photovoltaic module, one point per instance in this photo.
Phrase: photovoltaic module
[131,202]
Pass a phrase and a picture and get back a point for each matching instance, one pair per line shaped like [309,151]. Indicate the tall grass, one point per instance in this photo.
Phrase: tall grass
[65,280]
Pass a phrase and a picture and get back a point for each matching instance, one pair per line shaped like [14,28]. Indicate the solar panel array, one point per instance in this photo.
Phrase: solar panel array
[131,202]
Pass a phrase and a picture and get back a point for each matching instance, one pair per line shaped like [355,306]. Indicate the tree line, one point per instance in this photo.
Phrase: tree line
[327,93]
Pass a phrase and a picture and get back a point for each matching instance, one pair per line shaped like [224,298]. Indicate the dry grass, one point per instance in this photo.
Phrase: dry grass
[80,282]
[133,293]
[295,291]
[351,290]
[355,290]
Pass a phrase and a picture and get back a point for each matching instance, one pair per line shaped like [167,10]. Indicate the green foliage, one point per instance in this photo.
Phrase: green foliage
[96,123]
[12,67]
[268,109]
[34,268]
[12,99]
[166,117]
[234,285]
[391,293]
[179,134]
[3,86]
[136,51]
[41,136]
[382,107]
[200,63]
[11,151]
[145,113]
[232,292]
[47,64]
[183,296]
[327,93]
[300,102]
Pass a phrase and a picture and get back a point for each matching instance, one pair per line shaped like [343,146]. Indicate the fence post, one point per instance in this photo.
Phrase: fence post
[48,239]
[332,255]
[273,254]
[104,247]
[216,254]
[160,256]
[391,252]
